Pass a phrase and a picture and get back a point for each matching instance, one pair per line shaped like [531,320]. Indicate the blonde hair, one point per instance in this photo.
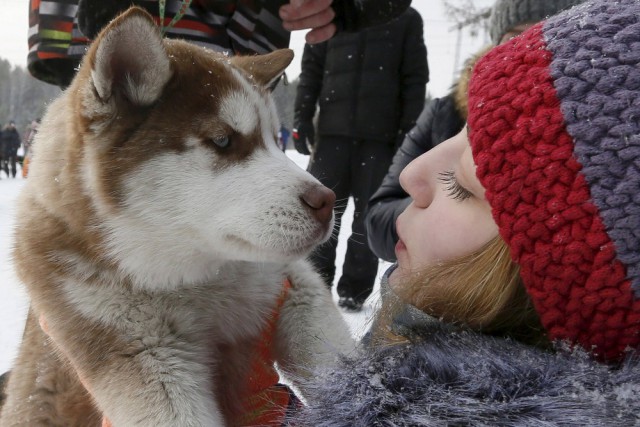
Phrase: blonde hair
[482,291]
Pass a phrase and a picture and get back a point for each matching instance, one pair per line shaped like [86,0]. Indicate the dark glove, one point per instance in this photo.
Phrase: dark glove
[304,137]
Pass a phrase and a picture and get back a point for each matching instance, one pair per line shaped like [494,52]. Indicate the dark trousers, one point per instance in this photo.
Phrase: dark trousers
[9,162]
[350,168]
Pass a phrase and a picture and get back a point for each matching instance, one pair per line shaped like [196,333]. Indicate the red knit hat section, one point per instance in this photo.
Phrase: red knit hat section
[542,204]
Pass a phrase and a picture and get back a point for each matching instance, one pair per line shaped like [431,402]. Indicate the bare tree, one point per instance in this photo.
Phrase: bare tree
[466,16]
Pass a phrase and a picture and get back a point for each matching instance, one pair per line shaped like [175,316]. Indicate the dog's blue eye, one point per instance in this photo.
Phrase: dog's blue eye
[222,141]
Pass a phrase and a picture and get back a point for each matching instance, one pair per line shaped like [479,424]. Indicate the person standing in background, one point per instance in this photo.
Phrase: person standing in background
[369,88]
[283,136]
[443,118]
[31,133]
[10,144]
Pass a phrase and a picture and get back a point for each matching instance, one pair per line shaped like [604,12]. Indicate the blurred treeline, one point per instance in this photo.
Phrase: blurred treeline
[22,98]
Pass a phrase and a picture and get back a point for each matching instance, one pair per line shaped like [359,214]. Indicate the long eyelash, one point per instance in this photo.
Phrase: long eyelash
[453,187]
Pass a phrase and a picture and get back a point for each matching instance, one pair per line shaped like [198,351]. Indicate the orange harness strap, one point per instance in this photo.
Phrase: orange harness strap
[267,401]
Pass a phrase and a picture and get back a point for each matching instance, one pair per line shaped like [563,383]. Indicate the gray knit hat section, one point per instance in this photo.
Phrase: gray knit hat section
[596,72]
[507,14]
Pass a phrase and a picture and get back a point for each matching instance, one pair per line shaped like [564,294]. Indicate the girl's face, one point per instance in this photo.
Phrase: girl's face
[449,216]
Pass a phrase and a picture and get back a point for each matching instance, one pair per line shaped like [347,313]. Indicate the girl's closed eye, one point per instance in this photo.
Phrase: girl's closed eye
[453,187]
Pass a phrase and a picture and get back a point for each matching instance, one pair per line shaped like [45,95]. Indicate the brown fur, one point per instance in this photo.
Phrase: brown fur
[62,399]
[61,211]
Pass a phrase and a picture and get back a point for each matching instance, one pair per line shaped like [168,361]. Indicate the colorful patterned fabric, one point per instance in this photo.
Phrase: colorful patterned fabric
[56,46]
[554,122]
[230,26]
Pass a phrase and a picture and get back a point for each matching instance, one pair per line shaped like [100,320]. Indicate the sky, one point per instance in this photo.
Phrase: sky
[440,40]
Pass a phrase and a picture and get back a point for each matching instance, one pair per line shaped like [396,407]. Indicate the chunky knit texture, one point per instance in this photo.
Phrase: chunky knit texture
[554,126]
[507,14]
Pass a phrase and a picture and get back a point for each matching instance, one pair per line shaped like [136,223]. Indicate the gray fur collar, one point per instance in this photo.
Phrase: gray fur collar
[464,378]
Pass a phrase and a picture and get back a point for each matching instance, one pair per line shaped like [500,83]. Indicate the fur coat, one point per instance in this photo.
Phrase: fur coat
[449,378]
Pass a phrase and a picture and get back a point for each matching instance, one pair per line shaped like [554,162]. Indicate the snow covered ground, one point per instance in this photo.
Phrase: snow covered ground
[13,299]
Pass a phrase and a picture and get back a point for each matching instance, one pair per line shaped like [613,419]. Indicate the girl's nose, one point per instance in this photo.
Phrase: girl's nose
[418,179]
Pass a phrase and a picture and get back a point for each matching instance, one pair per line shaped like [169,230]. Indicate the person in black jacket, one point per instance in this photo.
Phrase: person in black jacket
[370,89]
[10,144]
[441,119]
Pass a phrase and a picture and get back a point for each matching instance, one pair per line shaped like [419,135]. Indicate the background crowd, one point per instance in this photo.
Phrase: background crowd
[11,157]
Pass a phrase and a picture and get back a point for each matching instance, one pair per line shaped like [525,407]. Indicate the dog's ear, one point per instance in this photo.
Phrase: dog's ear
[265,69]
[129,57]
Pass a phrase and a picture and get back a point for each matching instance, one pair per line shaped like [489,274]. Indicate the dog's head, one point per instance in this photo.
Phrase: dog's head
[179,155]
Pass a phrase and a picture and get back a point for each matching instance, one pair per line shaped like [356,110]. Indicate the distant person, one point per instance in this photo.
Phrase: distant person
[28,144]
[59,34]
[369,89]
[29,135]
[441,119]
[283,137]
[10,144]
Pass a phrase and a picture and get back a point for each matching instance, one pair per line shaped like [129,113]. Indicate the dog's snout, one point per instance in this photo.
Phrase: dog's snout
[320,200]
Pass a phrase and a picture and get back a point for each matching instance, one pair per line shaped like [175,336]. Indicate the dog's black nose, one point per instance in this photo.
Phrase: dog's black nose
[320,201]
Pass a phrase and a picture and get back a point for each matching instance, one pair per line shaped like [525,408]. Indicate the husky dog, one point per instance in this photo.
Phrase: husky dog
[155,235]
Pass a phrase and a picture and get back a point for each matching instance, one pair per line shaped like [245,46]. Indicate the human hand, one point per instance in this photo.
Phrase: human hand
[303,137]
[316,15]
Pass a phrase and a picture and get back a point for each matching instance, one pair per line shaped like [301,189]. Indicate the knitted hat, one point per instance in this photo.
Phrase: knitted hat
[507,14]
[554,126]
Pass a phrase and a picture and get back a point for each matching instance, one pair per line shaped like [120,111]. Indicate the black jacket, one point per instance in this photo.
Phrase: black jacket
[10,142]
[369,85]
[440,120]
